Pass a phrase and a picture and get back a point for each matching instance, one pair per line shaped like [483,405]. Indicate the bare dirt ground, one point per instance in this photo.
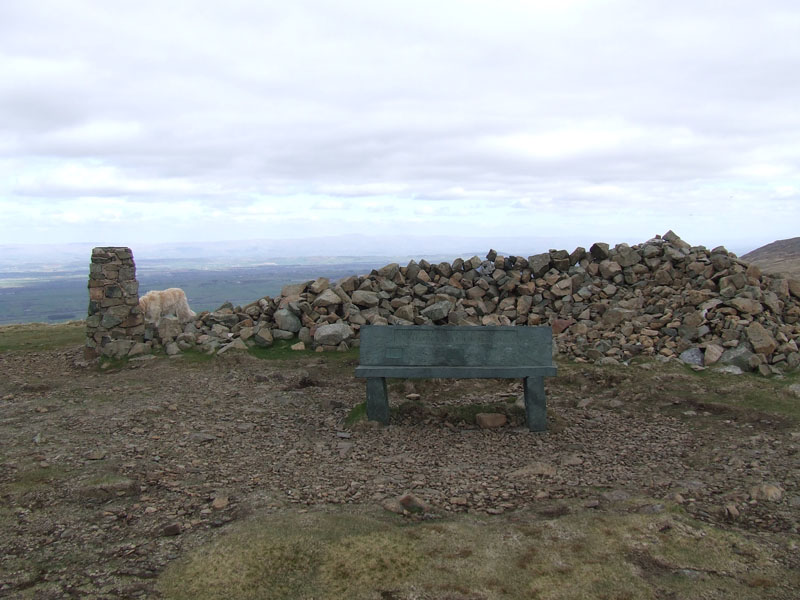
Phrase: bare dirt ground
[106,476]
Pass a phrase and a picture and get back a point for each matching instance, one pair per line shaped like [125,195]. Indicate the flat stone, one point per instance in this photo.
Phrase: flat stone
[692,356]
[490,420]
[172,529]
[220,502]
[535,468]
[747,306]
[766,491]
[332,334]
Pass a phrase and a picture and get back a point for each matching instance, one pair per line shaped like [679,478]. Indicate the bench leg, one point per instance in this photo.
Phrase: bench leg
[377,400]
[535,403]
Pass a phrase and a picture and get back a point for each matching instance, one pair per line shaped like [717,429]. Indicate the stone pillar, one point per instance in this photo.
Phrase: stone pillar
[115,324]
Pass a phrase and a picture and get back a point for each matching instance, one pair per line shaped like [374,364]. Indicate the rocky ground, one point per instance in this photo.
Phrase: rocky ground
[107,475]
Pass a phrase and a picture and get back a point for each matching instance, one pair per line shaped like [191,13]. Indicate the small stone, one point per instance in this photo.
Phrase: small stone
[220,502]
[730,511]
[535,468]
[413,504]
[298,346]
[490,420]
[413,396]
[571,460]
[202,437]
[172,529]
[97,454]
[766,491]
[712,354]
[458,501]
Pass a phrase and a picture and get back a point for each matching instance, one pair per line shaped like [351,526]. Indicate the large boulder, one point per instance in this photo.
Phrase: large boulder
[332,334]
[287,320]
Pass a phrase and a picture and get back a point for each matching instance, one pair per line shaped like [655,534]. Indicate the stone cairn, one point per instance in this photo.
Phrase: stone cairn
[115,325]
[663,298]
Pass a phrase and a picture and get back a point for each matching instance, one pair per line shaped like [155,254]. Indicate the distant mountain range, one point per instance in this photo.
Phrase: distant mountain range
[782,257]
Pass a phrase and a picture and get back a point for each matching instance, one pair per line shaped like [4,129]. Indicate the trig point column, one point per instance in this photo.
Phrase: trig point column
[114,324]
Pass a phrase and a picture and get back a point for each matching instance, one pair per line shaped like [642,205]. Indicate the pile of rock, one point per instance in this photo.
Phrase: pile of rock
[115,323]
[660,298]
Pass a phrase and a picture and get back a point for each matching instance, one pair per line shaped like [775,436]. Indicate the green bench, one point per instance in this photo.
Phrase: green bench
[450,352]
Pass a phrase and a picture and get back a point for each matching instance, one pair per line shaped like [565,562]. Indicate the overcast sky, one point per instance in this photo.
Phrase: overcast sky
[161,121]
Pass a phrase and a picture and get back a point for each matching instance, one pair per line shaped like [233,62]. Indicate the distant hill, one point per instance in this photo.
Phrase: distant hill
[782,256]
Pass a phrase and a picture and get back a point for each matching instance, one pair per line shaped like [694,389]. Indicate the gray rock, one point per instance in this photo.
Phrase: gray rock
[282,334]
[332,334]
[625,256]
[327,298]
[599,251]
[692,356]
[365,298]
[294,289]
[263,337]
[760,339]
[117,348]
[236,344]
[539,264]
[739,357]
[286,320]
[319,285]
[437,311]
[168,328]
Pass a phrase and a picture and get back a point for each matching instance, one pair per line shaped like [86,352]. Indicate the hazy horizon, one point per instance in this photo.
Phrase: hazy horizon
[252,252]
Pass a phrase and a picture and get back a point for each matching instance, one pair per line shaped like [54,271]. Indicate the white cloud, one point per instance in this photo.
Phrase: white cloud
[625,117]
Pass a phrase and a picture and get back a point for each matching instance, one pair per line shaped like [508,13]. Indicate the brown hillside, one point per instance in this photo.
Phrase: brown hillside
[782,256]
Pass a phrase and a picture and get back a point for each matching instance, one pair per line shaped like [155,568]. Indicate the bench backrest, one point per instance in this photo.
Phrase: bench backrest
[446,345]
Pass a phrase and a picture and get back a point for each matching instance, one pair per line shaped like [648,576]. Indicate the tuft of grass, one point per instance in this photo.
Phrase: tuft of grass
[280,350]
[37,337]
[356,414]
[341,554]
[193,356]
[32,478]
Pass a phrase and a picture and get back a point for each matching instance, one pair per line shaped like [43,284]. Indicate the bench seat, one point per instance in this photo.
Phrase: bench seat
[447,372]
[453,352]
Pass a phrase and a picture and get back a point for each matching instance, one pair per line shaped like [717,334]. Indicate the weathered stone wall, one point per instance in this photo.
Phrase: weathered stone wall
[663,298]
[115,324]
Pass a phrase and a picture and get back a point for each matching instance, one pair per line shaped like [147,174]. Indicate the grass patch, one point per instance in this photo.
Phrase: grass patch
[32,478]
[343,554]
[37,337]
[194,356]
[356,414]
[747,392]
